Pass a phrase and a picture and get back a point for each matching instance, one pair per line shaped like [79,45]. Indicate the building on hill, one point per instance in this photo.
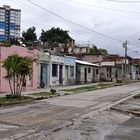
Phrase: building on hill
[59,47]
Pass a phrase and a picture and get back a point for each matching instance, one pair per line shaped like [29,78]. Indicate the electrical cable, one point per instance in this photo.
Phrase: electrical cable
[105,8]
[65,19]
[123,1]
[34,12]
[86,28]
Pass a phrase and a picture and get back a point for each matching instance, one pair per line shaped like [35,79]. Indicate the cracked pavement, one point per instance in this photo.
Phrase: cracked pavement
[73,117]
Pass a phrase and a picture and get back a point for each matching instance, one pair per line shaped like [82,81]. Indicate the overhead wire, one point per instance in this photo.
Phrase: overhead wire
[105,8]
[34,12]
[74,23]
[43,25]
[79,25]
[124,1]
[54,21]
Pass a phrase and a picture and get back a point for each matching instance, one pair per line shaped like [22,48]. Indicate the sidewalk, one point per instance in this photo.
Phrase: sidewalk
[57,88]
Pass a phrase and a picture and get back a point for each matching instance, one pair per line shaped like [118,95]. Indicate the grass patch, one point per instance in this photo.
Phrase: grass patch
[137,96]
[88,88]
[5,100]
[41,94]
[85,88]
[137,110]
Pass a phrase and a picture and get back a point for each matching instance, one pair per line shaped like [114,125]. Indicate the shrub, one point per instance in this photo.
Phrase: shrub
[53,91]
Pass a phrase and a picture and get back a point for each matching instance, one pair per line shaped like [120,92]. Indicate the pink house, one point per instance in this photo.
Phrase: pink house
[4,53]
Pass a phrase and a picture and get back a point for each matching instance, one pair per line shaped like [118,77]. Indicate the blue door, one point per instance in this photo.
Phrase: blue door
[44,74]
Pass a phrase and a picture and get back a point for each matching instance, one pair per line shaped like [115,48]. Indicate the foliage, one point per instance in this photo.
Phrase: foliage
[53,91]
[54,36]
[98,51]
[8,43]
[17,68]
[29,36]
[14,41]
[5,43]
[10,96]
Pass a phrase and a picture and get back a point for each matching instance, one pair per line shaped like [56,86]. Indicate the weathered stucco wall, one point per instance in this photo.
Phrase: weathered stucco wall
[4,53]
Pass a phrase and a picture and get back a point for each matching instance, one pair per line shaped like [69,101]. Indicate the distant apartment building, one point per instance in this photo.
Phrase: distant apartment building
[9,23]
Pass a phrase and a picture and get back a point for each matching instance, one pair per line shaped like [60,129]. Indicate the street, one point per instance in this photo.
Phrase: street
[72,117]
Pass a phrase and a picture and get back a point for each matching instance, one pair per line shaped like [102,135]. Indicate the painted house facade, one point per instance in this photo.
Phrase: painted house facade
[31,82]
[56,70]
[69,70]
[87,72]
[43,66]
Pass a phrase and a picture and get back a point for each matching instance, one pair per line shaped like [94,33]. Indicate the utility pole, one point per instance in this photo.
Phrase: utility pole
[125,65]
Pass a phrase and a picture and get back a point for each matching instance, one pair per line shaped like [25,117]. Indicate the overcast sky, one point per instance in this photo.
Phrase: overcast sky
[118,19]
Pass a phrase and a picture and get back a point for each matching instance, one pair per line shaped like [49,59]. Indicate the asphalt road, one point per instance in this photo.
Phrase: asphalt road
[37,119]
[129,130]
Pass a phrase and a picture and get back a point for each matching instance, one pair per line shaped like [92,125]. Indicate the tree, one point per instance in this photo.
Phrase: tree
[102,51]
[18,68]
[14,41]
[29,36]
[8,43]
[98,51]
[54,36]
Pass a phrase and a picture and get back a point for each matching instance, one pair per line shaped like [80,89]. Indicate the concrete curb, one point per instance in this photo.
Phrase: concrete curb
[126,111]
[109,106]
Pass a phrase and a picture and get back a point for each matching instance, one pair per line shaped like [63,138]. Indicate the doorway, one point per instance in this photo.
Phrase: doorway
[94,75]
[66,74]
[43,75]
[61,74]
[85,75]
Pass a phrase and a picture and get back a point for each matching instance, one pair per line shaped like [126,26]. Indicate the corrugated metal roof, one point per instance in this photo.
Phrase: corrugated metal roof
[87,63]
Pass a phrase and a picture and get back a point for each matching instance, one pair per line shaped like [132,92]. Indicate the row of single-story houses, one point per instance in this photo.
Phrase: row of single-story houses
[55,70]
[49,69]
[115,67]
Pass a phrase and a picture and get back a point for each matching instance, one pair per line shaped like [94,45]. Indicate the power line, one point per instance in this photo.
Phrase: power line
[65,19]
[86,28]
[36,23]
[77,23]
[123,1]
[106,8]
[34,12]
[49,19]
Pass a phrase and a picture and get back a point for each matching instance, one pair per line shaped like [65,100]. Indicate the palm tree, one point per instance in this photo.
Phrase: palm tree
[18,68]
